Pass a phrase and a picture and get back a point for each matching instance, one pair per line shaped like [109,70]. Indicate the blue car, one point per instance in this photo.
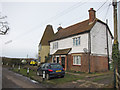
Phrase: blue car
[51,70]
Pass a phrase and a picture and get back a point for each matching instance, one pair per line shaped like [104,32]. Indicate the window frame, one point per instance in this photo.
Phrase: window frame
[55,45]
[77,59]
[76,41]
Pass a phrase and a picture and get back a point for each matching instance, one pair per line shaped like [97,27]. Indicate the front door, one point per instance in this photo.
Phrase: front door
[63,62]
[57,59]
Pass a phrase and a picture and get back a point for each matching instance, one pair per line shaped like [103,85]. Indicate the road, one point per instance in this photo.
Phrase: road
[14,80]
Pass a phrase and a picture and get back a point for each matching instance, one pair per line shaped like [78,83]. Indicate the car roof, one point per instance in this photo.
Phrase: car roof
[51,63]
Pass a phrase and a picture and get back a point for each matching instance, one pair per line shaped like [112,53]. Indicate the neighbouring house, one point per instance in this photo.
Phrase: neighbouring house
[44,46]
[85,46]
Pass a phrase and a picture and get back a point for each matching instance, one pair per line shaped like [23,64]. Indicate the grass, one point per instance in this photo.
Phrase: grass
[32,75]
[100,78]
[67,78]
[24,72]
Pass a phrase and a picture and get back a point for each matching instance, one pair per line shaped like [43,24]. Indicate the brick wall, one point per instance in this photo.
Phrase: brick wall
[97,63]
[84,64]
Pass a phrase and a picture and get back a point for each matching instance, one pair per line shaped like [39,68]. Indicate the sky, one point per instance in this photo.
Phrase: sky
[27,21]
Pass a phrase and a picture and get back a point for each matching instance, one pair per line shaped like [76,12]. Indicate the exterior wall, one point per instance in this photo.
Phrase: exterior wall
[44,51]
[84,63]
[98,40]
[97,63]
[68,43]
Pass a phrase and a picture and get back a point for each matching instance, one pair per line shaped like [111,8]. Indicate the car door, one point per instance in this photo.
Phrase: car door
[42,67]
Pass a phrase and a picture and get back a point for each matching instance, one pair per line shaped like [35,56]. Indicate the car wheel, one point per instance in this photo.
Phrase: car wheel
[47,76]
[62,76]
[38,74]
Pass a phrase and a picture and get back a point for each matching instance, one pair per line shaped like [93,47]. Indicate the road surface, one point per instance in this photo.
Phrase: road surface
[14,80]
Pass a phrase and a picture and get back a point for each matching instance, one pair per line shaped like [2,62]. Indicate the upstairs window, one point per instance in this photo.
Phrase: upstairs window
[76,41]
[55,45]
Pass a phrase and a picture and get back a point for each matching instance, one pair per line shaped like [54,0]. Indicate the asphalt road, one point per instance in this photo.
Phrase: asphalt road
[14,80]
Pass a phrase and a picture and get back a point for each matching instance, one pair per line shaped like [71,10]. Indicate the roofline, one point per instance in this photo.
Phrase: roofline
[107,27]
[70,36]
[84,31]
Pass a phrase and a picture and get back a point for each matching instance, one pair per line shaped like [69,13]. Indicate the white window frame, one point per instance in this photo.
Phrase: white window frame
[75,58]
[55,45]
[76,41]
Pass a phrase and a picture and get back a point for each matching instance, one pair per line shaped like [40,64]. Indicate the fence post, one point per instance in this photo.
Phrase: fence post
[117,80]
[19,68]
[27,71]
[43,75]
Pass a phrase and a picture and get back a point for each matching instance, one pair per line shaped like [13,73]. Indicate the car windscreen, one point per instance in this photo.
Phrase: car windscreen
[54,66]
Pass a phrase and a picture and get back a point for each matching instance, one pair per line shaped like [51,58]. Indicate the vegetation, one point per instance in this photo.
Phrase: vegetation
[67,78]
[116,56]
[24,72]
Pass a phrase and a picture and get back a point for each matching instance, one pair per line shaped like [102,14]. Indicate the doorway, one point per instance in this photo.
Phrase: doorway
[63,62]
[57,59]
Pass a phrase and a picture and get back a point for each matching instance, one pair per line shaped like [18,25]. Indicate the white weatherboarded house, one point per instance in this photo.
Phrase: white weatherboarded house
[84,46]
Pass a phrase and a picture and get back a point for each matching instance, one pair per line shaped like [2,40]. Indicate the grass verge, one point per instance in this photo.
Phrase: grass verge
[67,78]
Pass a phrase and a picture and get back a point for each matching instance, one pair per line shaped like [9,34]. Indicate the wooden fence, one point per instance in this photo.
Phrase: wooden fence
[117,80]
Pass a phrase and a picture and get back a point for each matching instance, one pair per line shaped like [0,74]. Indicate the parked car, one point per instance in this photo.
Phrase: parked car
[24,62]
[33,62]
[51,70]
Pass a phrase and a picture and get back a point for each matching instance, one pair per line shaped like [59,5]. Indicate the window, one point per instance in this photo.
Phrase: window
[76,60]
[55,66]
[76,41]
[43,66]
[39,47]
[47,66]
[55,45]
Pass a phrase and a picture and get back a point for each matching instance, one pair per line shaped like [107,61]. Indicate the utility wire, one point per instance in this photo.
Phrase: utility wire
[107,11]
[51,19]
[104,17]
[101,6]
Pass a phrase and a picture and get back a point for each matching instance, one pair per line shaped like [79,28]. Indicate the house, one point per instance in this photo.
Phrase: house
[44,46]
[84,46]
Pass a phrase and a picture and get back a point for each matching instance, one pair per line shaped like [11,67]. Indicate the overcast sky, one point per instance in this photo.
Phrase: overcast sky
[27,21]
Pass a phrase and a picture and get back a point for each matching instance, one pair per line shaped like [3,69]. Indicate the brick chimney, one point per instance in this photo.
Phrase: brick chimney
[59,28]
[92,15]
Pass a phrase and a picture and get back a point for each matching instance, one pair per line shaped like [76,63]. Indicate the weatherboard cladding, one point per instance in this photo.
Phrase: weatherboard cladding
[79,28]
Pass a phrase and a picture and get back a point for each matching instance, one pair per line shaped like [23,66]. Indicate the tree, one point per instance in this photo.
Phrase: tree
[3,25]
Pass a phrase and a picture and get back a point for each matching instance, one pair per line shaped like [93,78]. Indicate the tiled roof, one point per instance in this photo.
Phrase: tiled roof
[48,35]
[81,27]
[62,51]
[73,30]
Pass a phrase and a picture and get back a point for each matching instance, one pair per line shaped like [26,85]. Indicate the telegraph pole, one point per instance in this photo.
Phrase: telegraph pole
[115,21]
[115,50]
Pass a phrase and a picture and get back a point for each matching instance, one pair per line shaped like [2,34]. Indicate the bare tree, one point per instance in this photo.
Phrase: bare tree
[3,25]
